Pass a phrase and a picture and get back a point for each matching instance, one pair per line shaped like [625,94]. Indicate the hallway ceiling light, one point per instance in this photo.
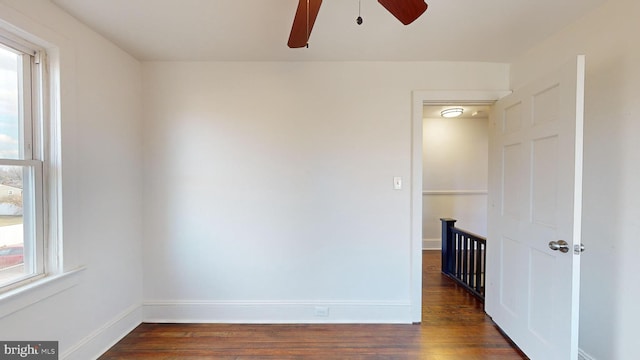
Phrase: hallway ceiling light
[451,113]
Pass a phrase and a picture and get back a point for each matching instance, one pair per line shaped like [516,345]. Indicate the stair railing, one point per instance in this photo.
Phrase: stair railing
[464,257]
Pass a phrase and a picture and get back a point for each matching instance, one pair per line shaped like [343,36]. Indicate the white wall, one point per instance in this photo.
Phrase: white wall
[289,167]
[609,313]
[286,197]
[454,180]
[101,185]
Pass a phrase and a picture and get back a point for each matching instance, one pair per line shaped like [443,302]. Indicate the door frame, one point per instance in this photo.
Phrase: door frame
[419,99]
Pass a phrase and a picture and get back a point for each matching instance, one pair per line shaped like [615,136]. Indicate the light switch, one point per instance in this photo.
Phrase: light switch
[397,183]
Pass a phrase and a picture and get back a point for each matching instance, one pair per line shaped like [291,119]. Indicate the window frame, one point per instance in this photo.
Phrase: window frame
[33,128]
[64,254]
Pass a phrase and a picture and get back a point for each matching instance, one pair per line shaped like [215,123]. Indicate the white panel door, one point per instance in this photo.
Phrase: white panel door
[535,192]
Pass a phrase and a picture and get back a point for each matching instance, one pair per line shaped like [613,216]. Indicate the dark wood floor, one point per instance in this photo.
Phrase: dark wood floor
[454,326]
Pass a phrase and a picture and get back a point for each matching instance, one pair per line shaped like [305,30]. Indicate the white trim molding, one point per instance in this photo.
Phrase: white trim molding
[267,312]
[454,192]
[102,339]
[40,289]
[431,244]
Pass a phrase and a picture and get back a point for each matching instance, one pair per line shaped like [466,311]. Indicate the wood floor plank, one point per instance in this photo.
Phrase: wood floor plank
[454,326]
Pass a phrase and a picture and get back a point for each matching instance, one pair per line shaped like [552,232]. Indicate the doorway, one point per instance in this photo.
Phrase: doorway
[420,99]
[535,190]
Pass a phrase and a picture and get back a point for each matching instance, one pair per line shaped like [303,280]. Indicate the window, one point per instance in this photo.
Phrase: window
[22,155]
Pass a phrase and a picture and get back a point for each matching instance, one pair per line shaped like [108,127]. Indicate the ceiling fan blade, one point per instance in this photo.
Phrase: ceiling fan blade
[303,22]
[407,11]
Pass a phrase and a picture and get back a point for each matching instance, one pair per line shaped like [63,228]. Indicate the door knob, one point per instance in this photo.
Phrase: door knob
[560,245]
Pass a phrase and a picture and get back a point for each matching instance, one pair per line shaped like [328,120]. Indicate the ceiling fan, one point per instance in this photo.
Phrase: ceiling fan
[404,10]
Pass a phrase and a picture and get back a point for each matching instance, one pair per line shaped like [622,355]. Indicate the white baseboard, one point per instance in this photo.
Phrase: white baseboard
[431,244]
[584,356]
[99,341]
[276,312]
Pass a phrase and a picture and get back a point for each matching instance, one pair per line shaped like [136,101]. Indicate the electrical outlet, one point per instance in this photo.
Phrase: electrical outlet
[321,311]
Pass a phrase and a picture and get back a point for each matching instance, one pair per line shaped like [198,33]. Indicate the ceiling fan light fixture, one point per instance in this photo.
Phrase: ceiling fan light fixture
[451,112]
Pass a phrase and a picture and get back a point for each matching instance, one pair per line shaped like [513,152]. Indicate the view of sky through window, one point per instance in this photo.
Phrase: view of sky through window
[9,102]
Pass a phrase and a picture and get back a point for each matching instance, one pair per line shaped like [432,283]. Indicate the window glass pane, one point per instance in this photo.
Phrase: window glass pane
[17,249]
[10,74]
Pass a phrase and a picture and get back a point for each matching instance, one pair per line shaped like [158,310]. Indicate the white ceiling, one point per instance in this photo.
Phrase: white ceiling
[258,30]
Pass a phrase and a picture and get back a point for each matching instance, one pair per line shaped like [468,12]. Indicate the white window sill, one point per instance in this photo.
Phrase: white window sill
[32,293]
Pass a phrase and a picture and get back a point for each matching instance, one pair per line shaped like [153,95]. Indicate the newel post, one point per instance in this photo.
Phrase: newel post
[448,245]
